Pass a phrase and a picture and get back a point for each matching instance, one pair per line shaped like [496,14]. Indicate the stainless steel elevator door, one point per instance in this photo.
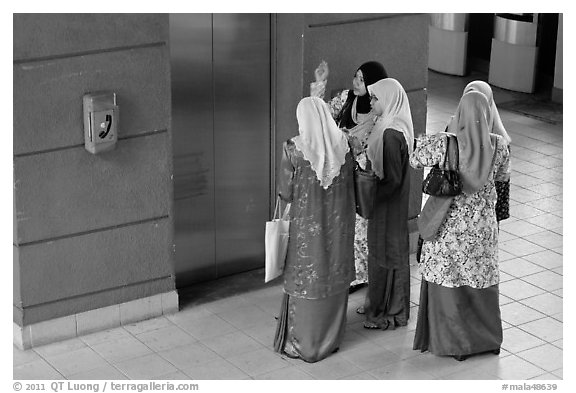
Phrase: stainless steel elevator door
[221,122]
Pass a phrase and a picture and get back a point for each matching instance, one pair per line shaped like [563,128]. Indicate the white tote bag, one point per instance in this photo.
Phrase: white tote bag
[276,242]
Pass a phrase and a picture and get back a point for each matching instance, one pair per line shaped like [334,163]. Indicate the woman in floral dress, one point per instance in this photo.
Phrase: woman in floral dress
[317,178]
[459,311]
[352,112]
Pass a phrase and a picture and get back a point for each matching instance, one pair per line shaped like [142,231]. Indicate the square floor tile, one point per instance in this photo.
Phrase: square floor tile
[520,247]
[58,348]
[369,358]
[258,362]
[547,189]
[216,369]
[523,195]
[333,367]
[189,356]
[38,369]
[548,259]
[547,357]
[547,221]
[546,303]
[246,316]
[263,333]
[439,366]
[506,277]
[146,367]
[548,149]
[516,340]
[232,344]
[547,204]
[172,376]
[520,228]
[504,236]
[512,367]
[525,167]
[547,280]
[471,374]
[548,329]
[106,372]
[523,180]
[148,325]
[76,361]
[165,338]
[105,336]
[505,300]
[520,267]
[287,373]
[546,377]
[523,211]
[226,304]
[122,349]
[518,289]
[401,370]
[517,314]
[20,357]
[206,326]
[504,256]
[546,239]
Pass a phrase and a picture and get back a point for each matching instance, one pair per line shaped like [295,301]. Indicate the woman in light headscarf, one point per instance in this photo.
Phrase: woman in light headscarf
[494,122]
[352,112]
[459,311]
[317,177]
[387,303]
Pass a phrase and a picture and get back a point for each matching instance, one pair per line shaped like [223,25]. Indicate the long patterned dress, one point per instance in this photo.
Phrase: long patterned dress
[358,137]
[319,262]
[459,302]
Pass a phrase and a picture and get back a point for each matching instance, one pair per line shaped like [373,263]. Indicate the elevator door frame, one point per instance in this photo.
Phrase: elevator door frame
[192,259]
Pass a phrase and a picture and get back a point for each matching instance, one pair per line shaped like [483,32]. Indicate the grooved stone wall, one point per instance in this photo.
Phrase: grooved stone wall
[90,230]
[345,41]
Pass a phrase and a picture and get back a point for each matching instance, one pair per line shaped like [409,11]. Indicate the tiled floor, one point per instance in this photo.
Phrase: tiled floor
[225,330]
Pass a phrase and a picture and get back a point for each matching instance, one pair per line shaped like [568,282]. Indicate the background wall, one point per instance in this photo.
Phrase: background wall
[558,89]
[345,41]
[90,230]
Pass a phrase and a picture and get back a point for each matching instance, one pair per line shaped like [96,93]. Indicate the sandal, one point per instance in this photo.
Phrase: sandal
[360,310]
[461,358]
[373,325]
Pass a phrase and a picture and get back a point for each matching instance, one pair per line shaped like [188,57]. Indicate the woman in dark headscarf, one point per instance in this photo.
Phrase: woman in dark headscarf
[352,112]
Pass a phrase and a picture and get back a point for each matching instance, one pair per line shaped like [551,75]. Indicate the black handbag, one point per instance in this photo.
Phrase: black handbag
[503,201]
[443,180]
[365,185]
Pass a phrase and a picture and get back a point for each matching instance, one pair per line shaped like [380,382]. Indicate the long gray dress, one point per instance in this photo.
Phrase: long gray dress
[387,302]
[320,259]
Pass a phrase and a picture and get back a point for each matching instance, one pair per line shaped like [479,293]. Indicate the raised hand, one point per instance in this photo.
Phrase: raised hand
[322,71]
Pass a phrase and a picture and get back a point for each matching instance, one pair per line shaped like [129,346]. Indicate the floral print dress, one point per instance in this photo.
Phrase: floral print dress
[465,250]
[356,136]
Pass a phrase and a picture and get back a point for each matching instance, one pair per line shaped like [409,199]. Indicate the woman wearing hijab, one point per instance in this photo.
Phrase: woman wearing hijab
[317,177]
[352,112]
[387,303]
[459,311]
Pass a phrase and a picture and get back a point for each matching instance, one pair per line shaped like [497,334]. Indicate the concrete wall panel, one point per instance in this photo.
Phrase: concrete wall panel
[49,35]
[95,262]
[69,191]
[91,301]
[48,96]
[400,43]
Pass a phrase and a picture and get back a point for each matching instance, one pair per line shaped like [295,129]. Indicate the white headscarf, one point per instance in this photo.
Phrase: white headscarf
[321,142]
[396,115]
[494,121]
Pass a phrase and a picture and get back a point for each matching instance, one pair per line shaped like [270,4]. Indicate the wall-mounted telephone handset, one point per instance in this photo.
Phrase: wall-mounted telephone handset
[100,121]
[107,124]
